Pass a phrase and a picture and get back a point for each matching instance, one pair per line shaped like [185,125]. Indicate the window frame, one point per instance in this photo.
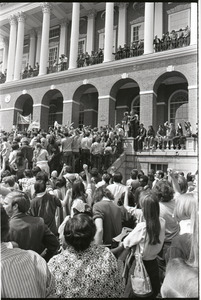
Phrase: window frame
[132,29]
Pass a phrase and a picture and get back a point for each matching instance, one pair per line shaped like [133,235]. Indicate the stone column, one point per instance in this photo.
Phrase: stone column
[20,44]
[158,19]
[71,111]
[44,54]
[194,24]
[63,38]
[41,114]
[74,35]
[106,110]
[12,48]
[38,47]
[122,23]
[5,54]
[148,108]
[193,106]
[90,31]
[148,27]
[32,48]
[109,20]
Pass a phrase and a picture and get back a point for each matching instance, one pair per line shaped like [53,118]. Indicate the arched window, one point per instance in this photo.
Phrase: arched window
[178,107]
[135,106]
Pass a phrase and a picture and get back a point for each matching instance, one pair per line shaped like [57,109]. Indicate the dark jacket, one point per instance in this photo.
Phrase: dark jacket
[31,233]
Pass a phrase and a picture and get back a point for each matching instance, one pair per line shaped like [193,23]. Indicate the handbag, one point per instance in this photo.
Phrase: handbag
[140,280]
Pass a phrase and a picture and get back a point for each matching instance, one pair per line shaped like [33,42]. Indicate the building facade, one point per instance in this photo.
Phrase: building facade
[156,79]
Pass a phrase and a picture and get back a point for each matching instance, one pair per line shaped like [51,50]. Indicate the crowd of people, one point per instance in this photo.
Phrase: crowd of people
[166,136]
[70,227]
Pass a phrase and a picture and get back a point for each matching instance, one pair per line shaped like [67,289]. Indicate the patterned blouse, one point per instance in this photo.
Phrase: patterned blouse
[93,273]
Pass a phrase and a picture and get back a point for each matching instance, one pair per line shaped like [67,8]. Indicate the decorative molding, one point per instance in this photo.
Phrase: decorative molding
[192,87]
[107,97]
[24,92]
[46,7]
[82,36]
[122,106]
[13,20]
[90,109]
[32,33]
[147,93]
[124,75]
[138,20]
[83,19]
[85,81]
[103,29]
[122,5]
[91,14]
[160,103]
[178,8]
[52,87]
[71,101]
[21,16]
[7,98]
[9,108]
[103,13]
[170,69]
[138,5]
[64,22]
[40,104]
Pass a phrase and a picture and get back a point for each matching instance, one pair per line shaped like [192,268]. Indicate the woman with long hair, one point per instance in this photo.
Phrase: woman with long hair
[149,235]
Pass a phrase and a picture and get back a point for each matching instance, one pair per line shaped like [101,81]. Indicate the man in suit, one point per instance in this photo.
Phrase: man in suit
[29,232]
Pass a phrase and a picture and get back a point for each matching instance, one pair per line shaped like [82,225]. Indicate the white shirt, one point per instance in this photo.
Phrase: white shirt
[117,189]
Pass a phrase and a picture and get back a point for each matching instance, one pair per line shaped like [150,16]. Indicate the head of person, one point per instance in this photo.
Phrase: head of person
[8,181]
[39,186]
[54,174]
[28,173]
[42,176]
[106,177]
[68,169]
[15,202]
[4,224]
[60,182]
[38,146]
[15,146]
[185,206]
[164,191]
[35,170]
[143,180]
[78,190]
[102,192]
[183,184]
[131,199]
[117,177]
[79,231]
[190,177]
[159,174]
[140,173]
[150,208]
[134,174]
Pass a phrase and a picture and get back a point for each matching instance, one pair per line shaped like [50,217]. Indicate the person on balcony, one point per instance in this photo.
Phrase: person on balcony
[157,43]
[25,73]
[140,47]
[141,136]
[187,36]
[126,51]
[180,37]
[134,49]
[170,134]
[160,135]
[87,59]
[149,139]
[36,70]
[119,54]
[179,139]
[100,55]
[80,60]
[173,37]
[30,71]
[125,123]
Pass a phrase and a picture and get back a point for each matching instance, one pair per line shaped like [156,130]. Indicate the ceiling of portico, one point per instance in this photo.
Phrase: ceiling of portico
[34,15]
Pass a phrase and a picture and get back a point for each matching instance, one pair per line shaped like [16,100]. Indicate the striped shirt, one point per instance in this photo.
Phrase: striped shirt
[24,274]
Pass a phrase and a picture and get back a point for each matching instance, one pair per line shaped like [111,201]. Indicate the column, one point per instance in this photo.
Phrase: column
[12,47]
[194,24]
[148,104]
[122,23]
[32,48]
[109,20]
[71,111]
[158,20]
[41,114]
[38,47]
[90,31]
[193,106]
[63,38]
[20,44]
[44,54]
[74,35]
[148,27]
[106,110]
[5,54]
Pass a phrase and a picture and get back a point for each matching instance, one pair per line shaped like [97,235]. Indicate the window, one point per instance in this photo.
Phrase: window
[53,55]
[81,46]
[162,167]
[135,106]
[178,107]
[102,40]
[54,32]
[137,32]
[25,61]
[179,20]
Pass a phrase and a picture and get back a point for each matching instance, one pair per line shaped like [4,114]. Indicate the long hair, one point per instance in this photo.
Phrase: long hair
[101,192]
[150,207]
[193,260]
[78,190]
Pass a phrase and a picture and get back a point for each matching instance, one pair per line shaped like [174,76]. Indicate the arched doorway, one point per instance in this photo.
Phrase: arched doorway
[172,98]
[87,98]
[125,91]
[52,108]
[23,111]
